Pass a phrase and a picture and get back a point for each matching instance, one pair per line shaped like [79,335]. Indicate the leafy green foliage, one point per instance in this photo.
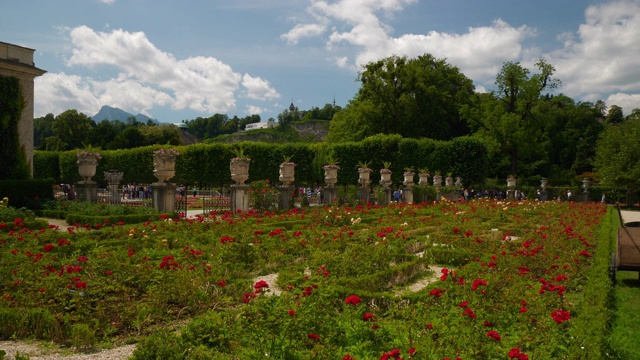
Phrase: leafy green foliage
[13,158]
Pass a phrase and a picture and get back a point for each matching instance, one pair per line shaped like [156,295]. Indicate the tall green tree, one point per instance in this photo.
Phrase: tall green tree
[618,156]
[418,97]
[509,118]
[72,128]
[42,129]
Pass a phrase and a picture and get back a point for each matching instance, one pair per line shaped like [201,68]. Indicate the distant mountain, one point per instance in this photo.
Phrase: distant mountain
[111,113]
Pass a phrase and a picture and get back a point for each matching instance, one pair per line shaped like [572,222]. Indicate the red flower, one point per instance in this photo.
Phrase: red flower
[494,335]
[584,253]
[468,312]
[83,258]
[477,283]
[247,297]
[393,354]
[429,326]
[226,239]
[367,317]
[260,284]
[81,285]
[412,351]
[291,312]
[468,233]
[516,354]
[436,292]
[463,304]
[47,248]
[487,323]
[523,310]
[222,283]
[456,230]
[313,336]
[353,300]
[348,357]
[560,316]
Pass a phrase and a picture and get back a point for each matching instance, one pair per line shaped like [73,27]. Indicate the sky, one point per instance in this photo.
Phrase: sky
[179,60]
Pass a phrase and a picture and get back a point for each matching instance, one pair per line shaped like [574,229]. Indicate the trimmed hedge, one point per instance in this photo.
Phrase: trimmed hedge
[30,194]
[208,164]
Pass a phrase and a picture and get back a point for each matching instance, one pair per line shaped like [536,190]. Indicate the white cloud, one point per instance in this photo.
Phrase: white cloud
[627,102]
[252,110]
[301,31]
[108,2]
[258,88]
[147,77]
[602,57]
[479,53]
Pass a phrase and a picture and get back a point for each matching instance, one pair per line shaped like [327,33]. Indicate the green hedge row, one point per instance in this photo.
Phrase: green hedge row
[208,164]
[31,194]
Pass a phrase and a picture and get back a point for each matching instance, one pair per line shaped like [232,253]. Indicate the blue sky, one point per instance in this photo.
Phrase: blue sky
[175,61]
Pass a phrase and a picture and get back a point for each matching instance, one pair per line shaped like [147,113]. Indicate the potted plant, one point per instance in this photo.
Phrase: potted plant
[448,181]
[287,170]
[331,171]
[364,173]
[408,176]
[437,179]
[424,176]
[87,163]
[164,164]
[239,165]
[385,173]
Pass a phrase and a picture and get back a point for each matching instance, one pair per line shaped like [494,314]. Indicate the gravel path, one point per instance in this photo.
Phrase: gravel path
[40,352]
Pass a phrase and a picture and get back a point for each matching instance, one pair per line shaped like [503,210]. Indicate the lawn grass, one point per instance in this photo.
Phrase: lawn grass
[625,338]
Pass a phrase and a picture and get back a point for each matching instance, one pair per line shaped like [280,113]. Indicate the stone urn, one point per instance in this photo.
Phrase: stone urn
[364,176]
[331,174]
[543,183]
[240,170]
[437,180]
[424,179]
[458,182]
[408,178]
[448,181]
[586,183]
[287,173]
[511,182]
[164,166]
[87,164]
[385,178]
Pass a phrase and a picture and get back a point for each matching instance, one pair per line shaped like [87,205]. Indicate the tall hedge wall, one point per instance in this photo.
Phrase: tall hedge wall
[208,164]
[13,159]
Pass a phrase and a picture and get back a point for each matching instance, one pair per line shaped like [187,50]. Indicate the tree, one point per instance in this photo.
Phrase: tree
[72,128]
[509,117]
[42,129]
[618,156]
[614,115]
[419,97]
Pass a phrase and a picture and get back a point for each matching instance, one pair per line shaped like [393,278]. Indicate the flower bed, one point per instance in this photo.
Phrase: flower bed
[512,284]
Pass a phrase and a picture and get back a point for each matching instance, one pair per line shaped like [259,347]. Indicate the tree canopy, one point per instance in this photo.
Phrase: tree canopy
[418,97]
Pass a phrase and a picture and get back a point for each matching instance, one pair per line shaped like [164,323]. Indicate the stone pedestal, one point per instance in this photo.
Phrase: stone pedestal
[87,191]
[438,192]
[330,194]
[544,195]
[511,194]
[364,194]
[584,197]
[239,198]
[408,195]
[285,197]
[164,197]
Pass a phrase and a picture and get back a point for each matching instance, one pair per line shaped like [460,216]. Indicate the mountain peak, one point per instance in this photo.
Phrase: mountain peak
[111,113]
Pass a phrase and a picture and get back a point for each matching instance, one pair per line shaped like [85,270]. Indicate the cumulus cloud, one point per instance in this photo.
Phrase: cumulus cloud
[602,56]
[253,110]
[301,31]
[147,77]
[258,88]
[479,52]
